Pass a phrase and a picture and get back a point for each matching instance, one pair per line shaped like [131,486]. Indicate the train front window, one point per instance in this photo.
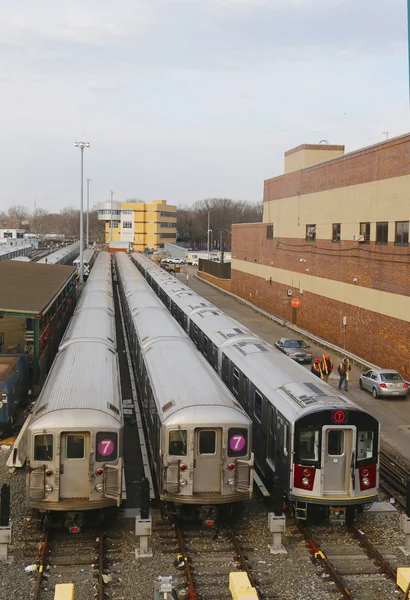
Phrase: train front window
[309,445]
[43,447]
[335,442]
[177,442]
[75,448]
[365,441]
[207,441]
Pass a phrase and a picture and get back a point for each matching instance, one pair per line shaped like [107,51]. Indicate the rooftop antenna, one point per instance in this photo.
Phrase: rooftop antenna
[325,141]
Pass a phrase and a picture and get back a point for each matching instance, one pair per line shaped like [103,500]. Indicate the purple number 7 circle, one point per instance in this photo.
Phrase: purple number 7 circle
[237,443]
[105,447]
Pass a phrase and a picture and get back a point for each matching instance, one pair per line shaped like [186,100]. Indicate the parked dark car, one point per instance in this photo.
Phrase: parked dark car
[296,349]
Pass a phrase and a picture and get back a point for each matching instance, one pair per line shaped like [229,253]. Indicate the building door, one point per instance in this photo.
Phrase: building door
[74,465]
[207,460]
[338,444]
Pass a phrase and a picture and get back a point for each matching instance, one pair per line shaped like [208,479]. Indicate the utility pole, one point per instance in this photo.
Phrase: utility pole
[88,212]
[222,246]
[112,194]
[82,145]
[209,226]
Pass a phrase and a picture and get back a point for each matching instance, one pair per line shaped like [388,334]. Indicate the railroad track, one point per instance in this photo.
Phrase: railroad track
[77,559]
[208,555]
[394,476]
[351,561]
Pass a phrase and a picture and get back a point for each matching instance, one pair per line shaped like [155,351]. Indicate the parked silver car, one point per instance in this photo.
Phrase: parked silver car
[296,349]
[384,383]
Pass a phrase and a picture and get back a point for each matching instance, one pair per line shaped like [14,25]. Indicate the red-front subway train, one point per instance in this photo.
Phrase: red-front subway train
[309,439]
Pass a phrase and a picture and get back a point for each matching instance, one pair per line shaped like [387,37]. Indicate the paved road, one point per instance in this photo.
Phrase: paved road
[394,415]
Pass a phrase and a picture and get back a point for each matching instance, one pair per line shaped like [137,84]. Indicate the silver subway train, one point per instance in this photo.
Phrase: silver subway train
[309,439]
[199,436]
[74,460]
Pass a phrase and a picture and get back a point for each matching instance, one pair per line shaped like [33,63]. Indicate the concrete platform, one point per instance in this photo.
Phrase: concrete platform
[394,415]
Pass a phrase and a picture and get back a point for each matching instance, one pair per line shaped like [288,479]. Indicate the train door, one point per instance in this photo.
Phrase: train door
[74,465]
[338,444]
[207,460]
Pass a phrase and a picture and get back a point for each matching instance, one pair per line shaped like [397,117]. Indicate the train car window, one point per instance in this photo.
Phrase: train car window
[177,442]
[205,346]
[309,445]
[196,330]
[335,442]
[235,383]
[365,441]
[75,446]
[237,441]
[207,441]
[225,369]
[184,321]
[43,447]
[285,439]
[257,410]
[106,443]
[245,391]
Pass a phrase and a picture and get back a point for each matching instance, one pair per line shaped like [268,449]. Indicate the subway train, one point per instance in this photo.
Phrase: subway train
[75,432]
[198,435]
[88,261]
[310,441]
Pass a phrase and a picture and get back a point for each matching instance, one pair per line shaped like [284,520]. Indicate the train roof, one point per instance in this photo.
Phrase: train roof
[189,301]
[181,379]
[96,325]
[84,376]
[87,256]
[218,327]
[153,323]
[96,299]
[97,284]
[295,389]
[55,257]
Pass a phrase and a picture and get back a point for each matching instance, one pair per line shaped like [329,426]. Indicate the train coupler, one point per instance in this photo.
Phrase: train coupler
[337,515]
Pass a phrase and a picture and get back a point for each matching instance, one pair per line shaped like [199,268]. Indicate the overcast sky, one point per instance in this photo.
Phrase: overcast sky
[189,99]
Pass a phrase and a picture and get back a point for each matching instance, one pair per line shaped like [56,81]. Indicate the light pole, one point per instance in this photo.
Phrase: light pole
[88,212]
[112,194]
[82,145]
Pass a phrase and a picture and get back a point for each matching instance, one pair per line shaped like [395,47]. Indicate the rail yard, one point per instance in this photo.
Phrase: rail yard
[141,388]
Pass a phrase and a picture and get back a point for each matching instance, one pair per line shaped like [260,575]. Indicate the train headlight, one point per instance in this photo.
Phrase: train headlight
[305,481]
[231,481]
[366,481]
[99,487]
[49,488]
[183,482]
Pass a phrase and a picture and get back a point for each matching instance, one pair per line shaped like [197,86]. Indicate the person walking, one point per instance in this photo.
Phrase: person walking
[327,367]
[316,370]
[344,368]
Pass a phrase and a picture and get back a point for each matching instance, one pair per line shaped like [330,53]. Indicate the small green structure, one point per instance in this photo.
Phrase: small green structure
[44,296]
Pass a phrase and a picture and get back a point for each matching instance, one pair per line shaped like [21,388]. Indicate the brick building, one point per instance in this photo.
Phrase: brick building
[335,235]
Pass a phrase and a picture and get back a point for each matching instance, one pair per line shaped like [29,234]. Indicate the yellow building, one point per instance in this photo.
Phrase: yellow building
[143,225]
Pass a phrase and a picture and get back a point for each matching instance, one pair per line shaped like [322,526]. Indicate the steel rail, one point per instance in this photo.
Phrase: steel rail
[188,573]
[323,560]
[242,561]
[100,566]
[42,561]
[373,552]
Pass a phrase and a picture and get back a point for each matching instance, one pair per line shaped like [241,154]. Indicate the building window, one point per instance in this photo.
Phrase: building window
[114,224]
[402,233]
[336,232]
[310,233]
[127,224]
[127,212]
[382,230]
[167,214]
[269,232]
[365,232]
[166,224]
[168,235]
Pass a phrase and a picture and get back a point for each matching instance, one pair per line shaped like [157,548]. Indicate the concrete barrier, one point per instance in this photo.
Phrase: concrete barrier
[240,587]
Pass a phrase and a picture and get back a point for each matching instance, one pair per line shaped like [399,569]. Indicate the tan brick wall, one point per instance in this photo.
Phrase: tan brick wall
[224,284]
[378,338]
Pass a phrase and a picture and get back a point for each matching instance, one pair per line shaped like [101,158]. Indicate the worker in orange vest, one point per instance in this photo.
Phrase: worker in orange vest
[327,367]
[316,370]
